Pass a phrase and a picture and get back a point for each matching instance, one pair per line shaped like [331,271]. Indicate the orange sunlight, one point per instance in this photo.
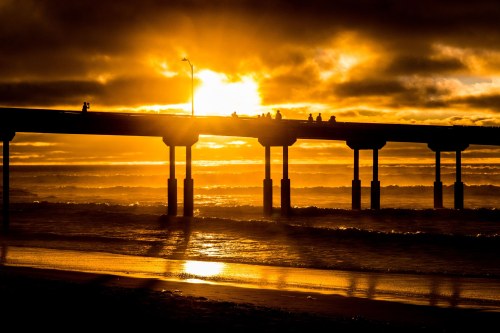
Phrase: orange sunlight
[218,96]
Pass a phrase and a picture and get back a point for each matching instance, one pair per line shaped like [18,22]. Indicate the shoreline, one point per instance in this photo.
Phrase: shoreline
[477,293]
[115,300]
[113,289]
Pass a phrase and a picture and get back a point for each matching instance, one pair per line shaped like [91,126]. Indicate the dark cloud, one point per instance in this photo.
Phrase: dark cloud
[136,91]
[490,102]
[47,93]
[294,86]
[395,93]
[131,91]
[408,65]
[369,88]
[113,26]
[421,96]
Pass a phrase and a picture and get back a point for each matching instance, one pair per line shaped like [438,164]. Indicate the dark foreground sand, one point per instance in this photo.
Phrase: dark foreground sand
[76,301]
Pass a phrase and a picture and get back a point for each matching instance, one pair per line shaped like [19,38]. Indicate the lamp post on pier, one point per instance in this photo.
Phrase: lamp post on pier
[192,85]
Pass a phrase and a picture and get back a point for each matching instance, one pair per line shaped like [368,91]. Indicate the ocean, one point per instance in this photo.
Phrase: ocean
[120,209]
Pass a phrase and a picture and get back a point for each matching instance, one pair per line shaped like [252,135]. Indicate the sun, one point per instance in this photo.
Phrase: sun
[217,95]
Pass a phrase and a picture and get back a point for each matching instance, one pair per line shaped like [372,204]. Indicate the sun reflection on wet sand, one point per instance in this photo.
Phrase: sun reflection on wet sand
[414,289]
[203,268]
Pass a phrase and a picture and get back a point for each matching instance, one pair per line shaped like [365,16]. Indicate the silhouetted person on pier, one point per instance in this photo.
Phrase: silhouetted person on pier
[234,115]
[278,115]
[310,118]
[332,119]
[268,115]
[85,107]
[318,118]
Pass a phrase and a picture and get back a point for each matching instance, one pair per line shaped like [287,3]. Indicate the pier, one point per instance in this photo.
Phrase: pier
[184,131]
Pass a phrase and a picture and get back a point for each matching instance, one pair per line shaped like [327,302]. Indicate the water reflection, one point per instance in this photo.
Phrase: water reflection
[445,292]
[372,287]
[353,286]
[204,269]
[3,254]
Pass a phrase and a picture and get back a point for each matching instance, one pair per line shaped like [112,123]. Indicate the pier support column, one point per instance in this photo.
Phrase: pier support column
[375,184]
[276,136]
[438,185]
[363,143]
[459,185]
[458,147]
[356,183]
[187,139]
[285,186]
[6,138]
[188,186]
[268,183]
[172,185]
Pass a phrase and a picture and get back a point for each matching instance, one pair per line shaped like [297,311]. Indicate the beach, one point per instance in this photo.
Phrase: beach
[42,298]
[55,289]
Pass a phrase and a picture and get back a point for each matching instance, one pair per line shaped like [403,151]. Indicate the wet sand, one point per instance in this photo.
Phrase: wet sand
[56,299]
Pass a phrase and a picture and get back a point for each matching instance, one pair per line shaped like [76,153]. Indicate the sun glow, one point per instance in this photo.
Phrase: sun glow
[217,95]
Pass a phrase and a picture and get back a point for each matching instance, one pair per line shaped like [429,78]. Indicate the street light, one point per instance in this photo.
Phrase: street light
[192,85]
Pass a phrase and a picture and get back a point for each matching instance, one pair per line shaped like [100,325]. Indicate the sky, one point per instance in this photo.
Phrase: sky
[423,62]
